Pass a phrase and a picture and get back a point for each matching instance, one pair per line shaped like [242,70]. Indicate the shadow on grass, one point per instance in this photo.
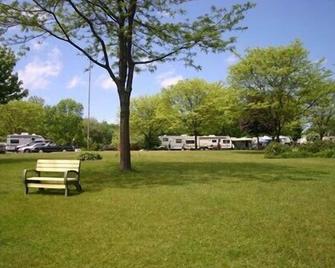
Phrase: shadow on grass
[172,173]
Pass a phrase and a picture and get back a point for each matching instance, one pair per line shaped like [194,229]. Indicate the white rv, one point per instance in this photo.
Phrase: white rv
[15,141]
[177,142]
[185,142]
[215,142]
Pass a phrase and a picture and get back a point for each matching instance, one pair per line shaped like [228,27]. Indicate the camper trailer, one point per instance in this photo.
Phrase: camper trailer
[214,142]
[14,141]
[177,142]
[185,142]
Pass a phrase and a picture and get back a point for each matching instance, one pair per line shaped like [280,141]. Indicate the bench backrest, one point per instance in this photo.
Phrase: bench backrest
[53,165]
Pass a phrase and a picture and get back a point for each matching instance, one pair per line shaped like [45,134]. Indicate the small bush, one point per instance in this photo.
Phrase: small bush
[89,156]
[323,149]
[275,149]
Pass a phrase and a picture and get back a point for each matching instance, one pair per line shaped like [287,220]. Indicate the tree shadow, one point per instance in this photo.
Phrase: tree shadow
[151,174]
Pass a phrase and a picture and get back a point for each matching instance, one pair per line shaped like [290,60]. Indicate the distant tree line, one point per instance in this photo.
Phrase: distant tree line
[271,91]
[62,123]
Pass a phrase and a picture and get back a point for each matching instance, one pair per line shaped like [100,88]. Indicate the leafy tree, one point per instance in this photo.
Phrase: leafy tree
[21,116]
[63,122]
[10,85]
[188,101]
[221,111]
[36,99]
[284,76]
[256,118]
[121,36]
[101,133]
[322,114]
[148,120]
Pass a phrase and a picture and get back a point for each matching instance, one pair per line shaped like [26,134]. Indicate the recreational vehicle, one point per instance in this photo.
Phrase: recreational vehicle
[15,141]
[177,142]
[214,142]
[185,142]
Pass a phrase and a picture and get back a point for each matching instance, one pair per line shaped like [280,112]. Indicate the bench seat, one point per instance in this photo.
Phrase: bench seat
[70,170]
[51,179]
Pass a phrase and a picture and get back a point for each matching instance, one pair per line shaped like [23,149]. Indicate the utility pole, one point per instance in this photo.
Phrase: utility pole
[89,105]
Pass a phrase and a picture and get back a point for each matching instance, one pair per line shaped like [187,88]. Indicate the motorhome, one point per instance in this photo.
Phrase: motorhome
[215,142]
[175,142]
[15,141]
[184,142]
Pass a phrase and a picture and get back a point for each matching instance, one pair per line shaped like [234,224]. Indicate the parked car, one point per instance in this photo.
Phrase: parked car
[35,147]
[30,144]
[52,147]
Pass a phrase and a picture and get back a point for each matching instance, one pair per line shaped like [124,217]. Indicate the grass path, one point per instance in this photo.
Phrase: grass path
[177,209]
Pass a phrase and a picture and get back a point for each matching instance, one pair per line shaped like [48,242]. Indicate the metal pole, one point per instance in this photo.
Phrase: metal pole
[89,106]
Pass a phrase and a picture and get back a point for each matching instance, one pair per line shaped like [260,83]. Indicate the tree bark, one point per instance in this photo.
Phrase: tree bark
[125,162]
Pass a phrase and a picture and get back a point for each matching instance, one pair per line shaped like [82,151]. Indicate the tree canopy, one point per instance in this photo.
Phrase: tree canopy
[285,76]
[122,36]
[10,85]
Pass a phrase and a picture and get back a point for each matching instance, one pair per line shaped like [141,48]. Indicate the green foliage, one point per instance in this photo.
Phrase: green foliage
[201,107]
[322,113]
[10,85]
[325,149]
[64,122]
[21,116]
[148,120]
[285,77]
[101,133]
[275,149]
[89,156]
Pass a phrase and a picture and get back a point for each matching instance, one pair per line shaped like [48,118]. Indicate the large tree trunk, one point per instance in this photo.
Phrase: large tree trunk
[125,162]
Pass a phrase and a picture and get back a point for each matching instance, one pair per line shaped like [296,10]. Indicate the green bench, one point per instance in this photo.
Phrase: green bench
[70,169]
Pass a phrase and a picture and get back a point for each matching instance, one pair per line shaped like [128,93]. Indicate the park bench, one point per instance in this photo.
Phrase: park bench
[47,166]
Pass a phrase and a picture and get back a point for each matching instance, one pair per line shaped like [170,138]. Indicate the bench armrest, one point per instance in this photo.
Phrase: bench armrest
[66,173]
[27,171]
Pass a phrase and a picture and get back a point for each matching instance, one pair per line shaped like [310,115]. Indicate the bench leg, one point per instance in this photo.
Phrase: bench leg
[66,191]
[78,187]
[26,189]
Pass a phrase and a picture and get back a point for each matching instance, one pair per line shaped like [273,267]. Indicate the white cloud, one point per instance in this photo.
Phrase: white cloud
[74,82]
[38,45]
[232,59]
[106,82]
[168,79]
[37,73]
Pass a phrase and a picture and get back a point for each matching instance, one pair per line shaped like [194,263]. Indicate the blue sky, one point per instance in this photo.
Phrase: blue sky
[54,71]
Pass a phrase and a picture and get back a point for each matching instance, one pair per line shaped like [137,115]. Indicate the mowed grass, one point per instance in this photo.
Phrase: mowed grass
[176,209]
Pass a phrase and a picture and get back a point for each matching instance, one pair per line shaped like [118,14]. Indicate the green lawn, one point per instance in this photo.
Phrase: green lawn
[177,209]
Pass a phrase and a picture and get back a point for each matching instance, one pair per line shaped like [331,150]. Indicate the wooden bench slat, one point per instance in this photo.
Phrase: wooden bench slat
[51,179]
[55,169]
[44,185]
[44,161]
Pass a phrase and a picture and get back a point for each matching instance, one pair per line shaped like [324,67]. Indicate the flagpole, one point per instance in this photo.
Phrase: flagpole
[89,106]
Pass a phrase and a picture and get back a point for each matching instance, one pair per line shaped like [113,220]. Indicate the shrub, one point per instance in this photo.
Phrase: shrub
[323,149]
[275,149]
[89,156]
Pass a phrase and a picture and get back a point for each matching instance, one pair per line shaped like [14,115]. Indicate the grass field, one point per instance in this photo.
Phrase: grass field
[177,209]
